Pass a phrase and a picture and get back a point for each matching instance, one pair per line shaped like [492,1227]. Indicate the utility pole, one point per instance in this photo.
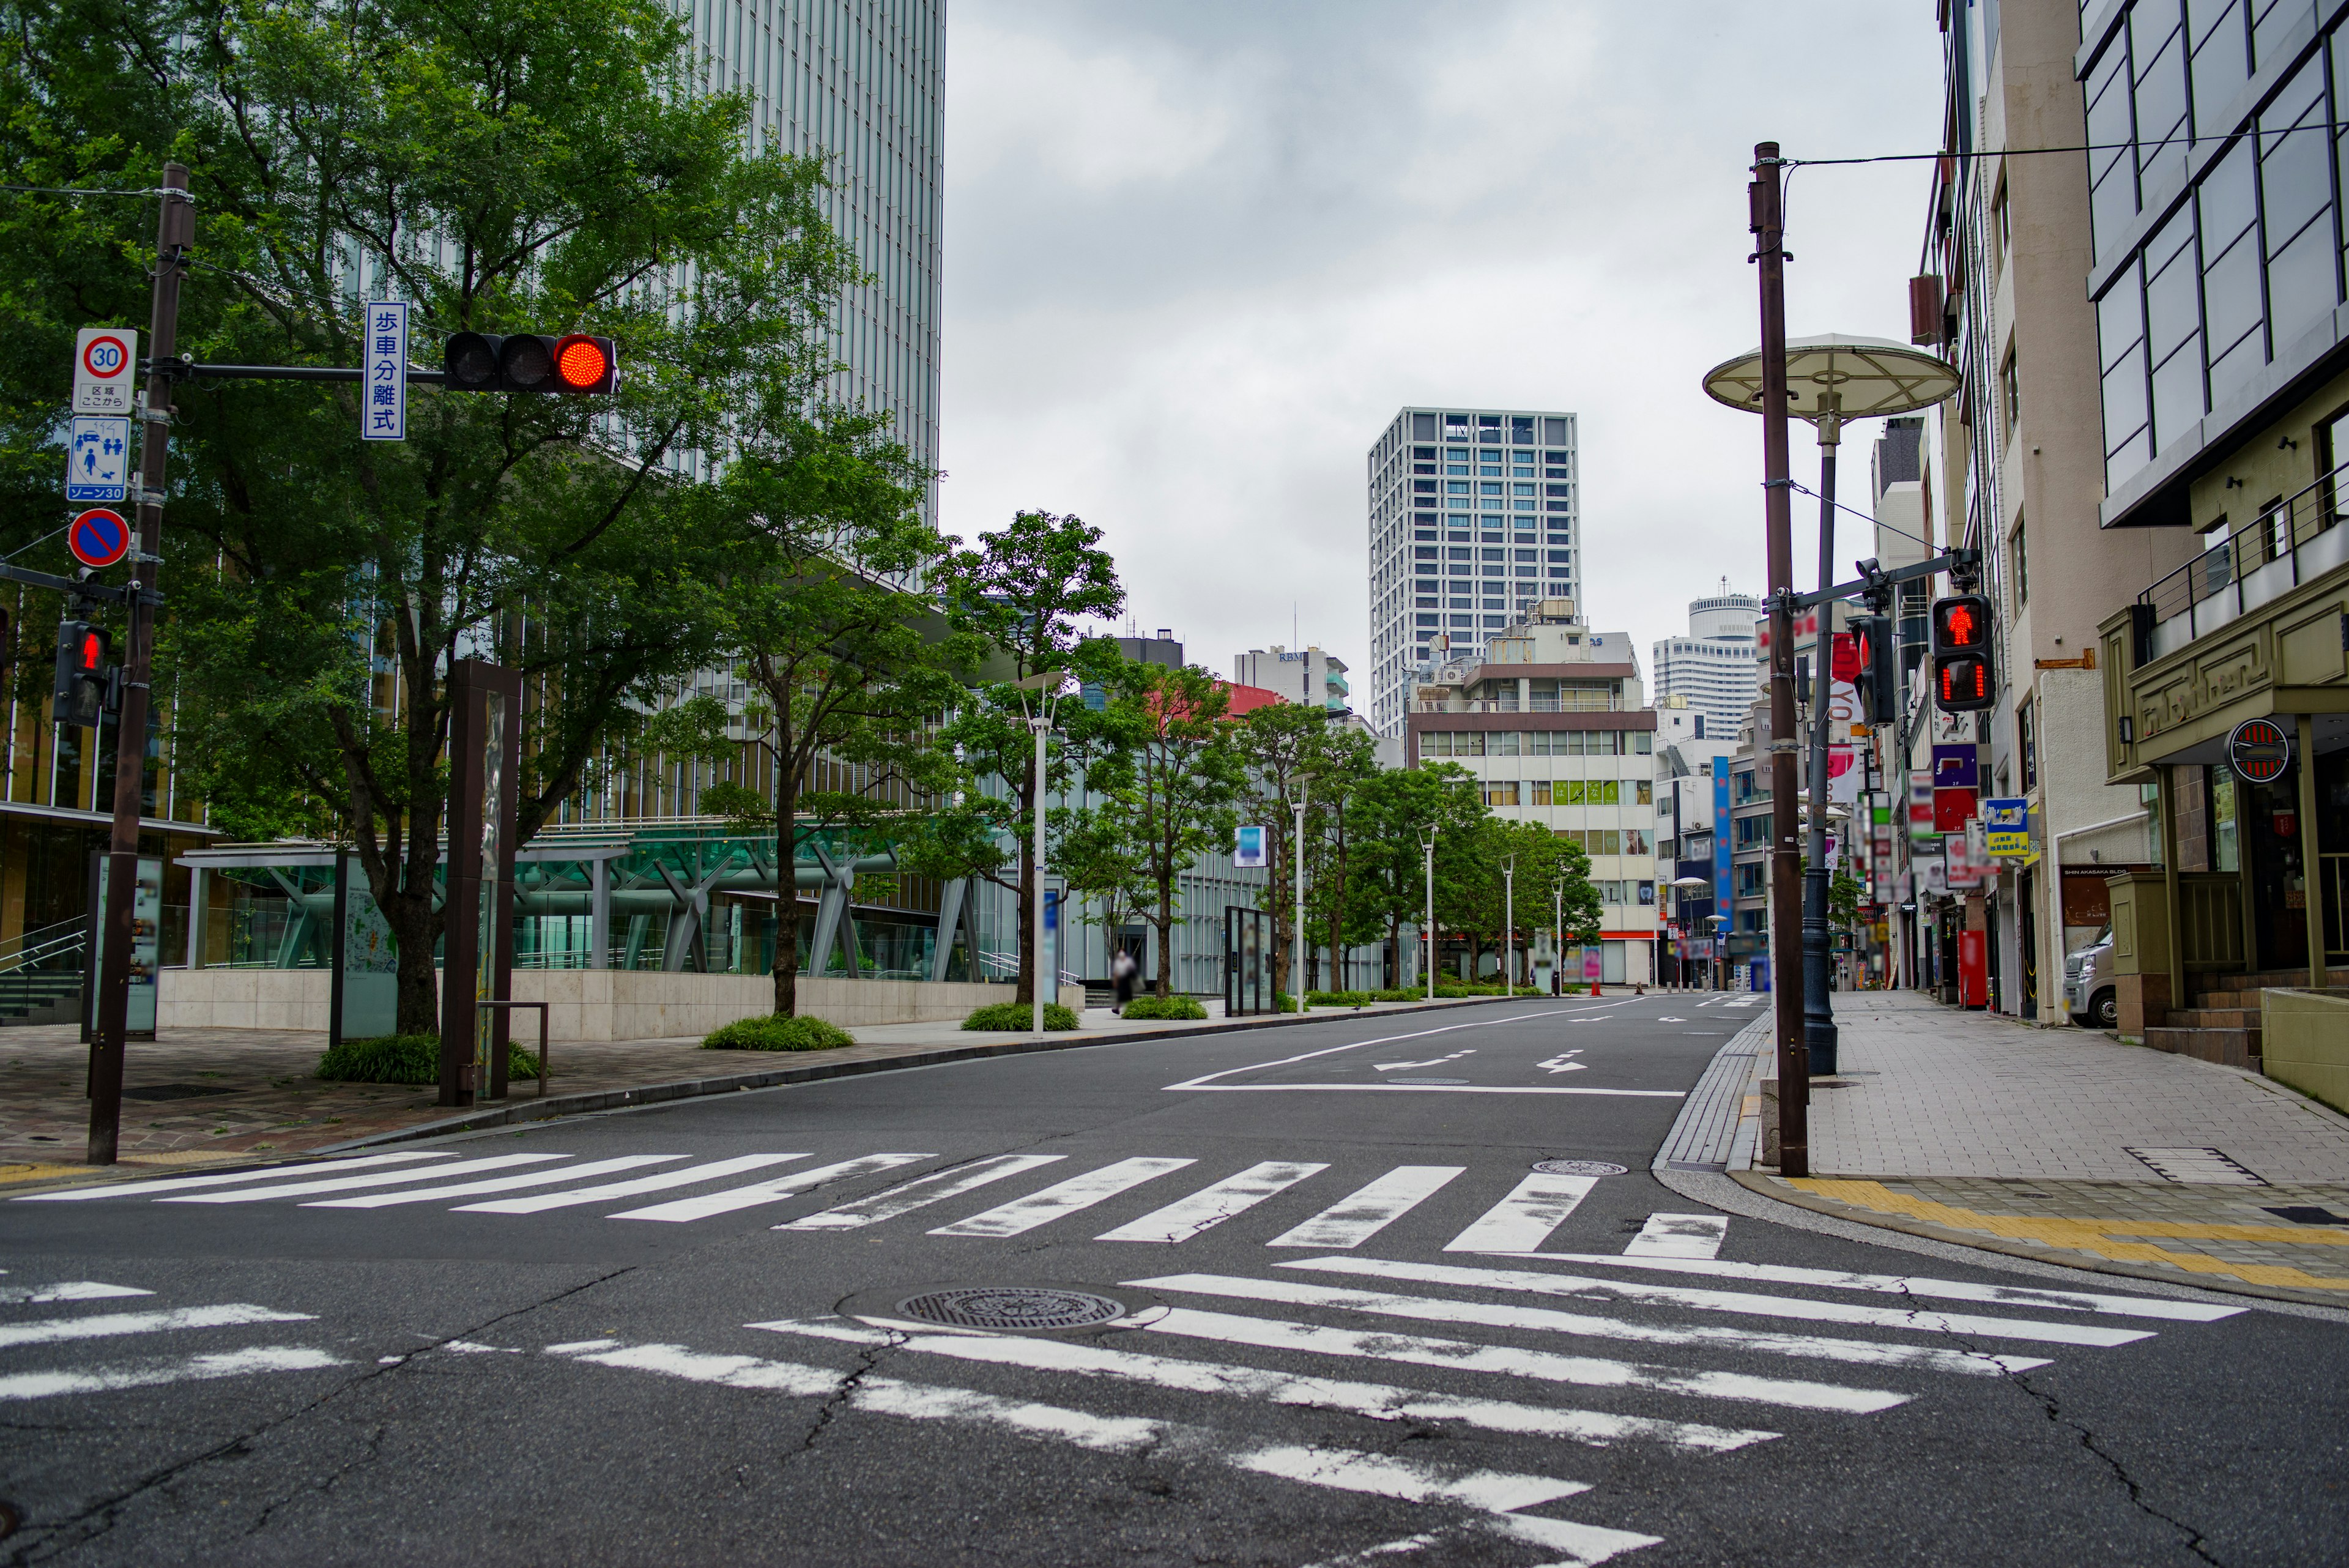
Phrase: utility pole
[175,235]
[1785,853]
[1818,1011]
[1039,724]
[1297,955]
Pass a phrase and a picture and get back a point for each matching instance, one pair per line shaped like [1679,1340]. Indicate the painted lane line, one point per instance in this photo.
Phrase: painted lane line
[1432,1062]
[1678,1236]
[1423,1089]
[1523,1219]
[1547,1320]
[496,1183]
[1569,1544]
[1062,1198]
[71,1291]
[1546,1365]
[1383,1040]
[1372,1401]
[149,1375]
[1909,1285]
[759,1194]
[1484,1492]
[1729,1301]
[381,1179]
[920,1193]
[185,1183]
[716,1170]
[106,1325]
[1211,1206]
[1361,1214]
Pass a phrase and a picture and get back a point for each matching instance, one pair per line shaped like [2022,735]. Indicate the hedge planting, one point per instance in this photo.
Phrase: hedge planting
[1183,1008]
[1011,1016]
[778,1034]
[403,1059]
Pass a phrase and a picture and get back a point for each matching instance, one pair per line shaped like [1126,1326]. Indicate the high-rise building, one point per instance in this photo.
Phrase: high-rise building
[1306,675]
[1713,666]
[1475,513]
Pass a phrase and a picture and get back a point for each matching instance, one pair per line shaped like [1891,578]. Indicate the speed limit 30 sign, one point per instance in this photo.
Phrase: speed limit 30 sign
[105,370]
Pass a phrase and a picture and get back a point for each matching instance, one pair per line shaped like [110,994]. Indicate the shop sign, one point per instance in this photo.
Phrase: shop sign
[2258,751]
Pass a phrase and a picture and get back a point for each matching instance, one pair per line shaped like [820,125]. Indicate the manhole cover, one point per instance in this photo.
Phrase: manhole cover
[174,1092]
[1576,1168]
[1012,1306]
[1443,1083]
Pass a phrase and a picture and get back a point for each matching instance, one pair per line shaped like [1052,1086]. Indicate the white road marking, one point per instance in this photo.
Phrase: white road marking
[1345,1470]
[1211,1206]
[1062,1198]
[381,1179]
[496,1183]
[1548,1366]
[1209,1080]
[1564,1064]
[1729,1301]
[71,1291]
[1549,1320]
[1523,1219]
[1430,1062]
[1374,1401]
[716,1170]
[186,1183]
[681,1209]
[1913,1285]
[1678,1236]
[1429,1089]
[920,1193]
[1356,1218]
[106,1325]
[147,1374]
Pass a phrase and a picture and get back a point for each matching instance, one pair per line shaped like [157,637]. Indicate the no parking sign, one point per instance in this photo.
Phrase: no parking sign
[99,538]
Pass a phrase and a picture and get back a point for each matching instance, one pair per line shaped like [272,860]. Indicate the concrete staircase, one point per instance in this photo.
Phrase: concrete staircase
[39,996]
[2223,1024]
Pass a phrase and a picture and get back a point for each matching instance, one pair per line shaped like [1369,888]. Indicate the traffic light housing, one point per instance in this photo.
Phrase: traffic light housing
[84,677]
[1879,668]
[577,363]
[1963,679]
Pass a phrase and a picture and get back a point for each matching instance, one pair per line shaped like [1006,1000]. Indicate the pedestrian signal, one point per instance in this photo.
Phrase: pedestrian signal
[1963,680]
[529,362]
[83,676]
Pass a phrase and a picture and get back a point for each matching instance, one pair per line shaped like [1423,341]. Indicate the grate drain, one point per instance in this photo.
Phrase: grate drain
[1576,1168]
[1011,1307]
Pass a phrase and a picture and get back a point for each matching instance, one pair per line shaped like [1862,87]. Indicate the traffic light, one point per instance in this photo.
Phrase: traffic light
[1879,668]
[84,677]
[528,362]
[1964,682]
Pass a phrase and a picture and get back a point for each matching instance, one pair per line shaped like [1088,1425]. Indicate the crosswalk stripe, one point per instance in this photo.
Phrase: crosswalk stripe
[1063,1197]
[1729,1301]
[1359,1215]
[762,1192]
[1523,1219]
[1548,1366]
[1211,1206]
[71,1291]
[106,1325]
[496,1183]
[920,1193]
[715,1170]
[1858,1352]
[381,1179]
[1914,1285]
[147,1374]
[1376,1401]
[1678,1236]
[234,1177]
[1347,1469]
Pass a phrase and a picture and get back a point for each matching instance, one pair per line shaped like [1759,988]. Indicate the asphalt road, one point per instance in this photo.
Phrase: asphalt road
[687,1335]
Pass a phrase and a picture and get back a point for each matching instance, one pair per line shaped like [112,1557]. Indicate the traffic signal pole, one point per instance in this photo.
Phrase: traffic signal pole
[175,232]
[1818,961]
[1786,854]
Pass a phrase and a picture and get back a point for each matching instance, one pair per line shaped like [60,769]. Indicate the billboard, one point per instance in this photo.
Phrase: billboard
[1248,849]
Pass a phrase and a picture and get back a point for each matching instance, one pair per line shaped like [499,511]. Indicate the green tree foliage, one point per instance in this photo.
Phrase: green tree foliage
[1339,833]
[1390,812]
[1279,749]
[1475,897]
[524,165]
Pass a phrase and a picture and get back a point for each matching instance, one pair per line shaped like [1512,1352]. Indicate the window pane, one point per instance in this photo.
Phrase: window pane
[2171,311]
[2120,321]
[2178,394]
[2237,365]
[2221,66]
[2112,206]
[2226,200]
[2160,101]
[2230,295]
[2300,285]
[2272,26]
[2295,183]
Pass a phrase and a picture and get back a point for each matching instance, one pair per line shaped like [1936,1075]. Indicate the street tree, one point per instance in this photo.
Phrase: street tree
[1393,808]
[1347,764]
[1279,749]
[1475,900]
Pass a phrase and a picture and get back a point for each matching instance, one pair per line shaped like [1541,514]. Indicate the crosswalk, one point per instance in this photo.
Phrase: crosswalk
[120,1345]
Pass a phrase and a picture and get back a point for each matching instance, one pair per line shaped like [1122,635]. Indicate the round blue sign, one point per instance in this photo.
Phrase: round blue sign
[99,538]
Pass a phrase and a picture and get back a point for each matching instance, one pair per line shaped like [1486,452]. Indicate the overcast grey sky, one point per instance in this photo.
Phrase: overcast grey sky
[1199,252]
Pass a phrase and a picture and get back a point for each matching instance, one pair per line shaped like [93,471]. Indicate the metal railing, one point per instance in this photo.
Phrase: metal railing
[2286,545]
[2210,919]
[49,947]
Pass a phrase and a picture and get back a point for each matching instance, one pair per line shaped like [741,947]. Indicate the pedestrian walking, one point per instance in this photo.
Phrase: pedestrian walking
[1122,973]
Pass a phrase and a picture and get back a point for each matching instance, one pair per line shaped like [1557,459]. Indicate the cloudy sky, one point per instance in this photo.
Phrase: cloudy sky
[1199,252]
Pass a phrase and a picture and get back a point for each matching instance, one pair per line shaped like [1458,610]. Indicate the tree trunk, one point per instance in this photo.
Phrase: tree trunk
[1031,951]
[410,920]
[787,897]
[1165,920]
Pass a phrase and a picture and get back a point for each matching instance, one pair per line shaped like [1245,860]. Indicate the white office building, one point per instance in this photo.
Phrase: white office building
[1474,514]
[1308,675]
[1714,665]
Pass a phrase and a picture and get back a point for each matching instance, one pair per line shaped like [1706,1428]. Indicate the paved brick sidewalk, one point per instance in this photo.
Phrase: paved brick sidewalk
[1982,1130]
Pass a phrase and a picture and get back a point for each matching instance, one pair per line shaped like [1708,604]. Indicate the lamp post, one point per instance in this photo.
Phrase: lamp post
[1046,684]
[1508,923]
[1427,843]
[1557,936]
[1296,932]
[1826,380]
[1718,923]
[1684,886]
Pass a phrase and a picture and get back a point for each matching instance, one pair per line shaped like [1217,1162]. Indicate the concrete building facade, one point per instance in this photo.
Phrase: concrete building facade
[1310,676]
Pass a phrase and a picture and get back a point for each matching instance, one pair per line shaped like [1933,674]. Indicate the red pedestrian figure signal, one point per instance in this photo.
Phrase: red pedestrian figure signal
[1964,682]
[99,538]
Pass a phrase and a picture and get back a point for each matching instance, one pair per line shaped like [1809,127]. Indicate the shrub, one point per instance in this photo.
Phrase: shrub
[404,1059]
[1456,988]
[1184,1008]
[778,1034]
[1016,1015]
[1339,998]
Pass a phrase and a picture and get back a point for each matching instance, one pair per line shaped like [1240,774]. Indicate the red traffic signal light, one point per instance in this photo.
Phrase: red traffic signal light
[1960,621]
[529,362]
[82,673]
[585,364]
[1962,683]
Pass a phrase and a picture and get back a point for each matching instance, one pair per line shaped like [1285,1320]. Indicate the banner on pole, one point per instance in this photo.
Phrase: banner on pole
[383,390]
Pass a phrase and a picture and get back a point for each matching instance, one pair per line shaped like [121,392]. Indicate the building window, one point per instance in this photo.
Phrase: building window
[1541,792]
[1644,792]
[2021,568]
[2010,393]
[1501,793]
[2026,740]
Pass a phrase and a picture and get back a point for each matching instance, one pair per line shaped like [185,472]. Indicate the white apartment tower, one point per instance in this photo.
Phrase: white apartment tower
[1713,666]
[1474,514]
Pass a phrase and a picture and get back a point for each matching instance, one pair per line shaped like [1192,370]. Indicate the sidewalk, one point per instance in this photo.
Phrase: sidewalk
[2060,1145]
[198,1096]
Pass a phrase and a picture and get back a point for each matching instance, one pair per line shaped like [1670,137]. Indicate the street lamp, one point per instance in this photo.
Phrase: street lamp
[1828,380]
[1047,685]
[1296,933]
[1427,843]
[1684,886]
[1508,921]
[1718,923]
[1558,935]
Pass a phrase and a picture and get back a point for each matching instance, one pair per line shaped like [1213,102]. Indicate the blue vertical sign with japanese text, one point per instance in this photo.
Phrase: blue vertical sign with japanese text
[383,363]
[1722,846]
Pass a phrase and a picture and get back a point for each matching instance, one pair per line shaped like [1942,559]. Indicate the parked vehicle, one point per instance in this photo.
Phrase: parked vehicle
[2089,984]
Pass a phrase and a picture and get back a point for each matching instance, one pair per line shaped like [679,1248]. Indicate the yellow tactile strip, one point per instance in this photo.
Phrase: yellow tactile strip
[2098,1235]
